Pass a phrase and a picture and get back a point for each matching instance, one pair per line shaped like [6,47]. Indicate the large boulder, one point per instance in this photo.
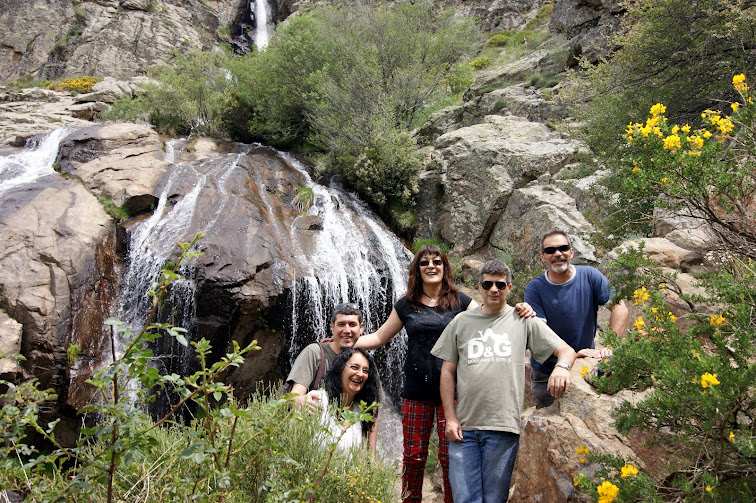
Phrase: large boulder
[547,461]
[587,24]
[483,164]
[51,231]
[531,212]
[122,162]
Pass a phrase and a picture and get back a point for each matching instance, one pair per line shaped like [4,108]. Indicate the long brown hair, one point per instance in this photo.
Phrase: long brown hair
[448,298]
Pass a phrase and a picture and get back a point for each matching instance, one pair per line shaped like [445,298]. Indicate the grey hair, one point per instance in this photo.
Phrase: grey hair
[497,268]
[555,232]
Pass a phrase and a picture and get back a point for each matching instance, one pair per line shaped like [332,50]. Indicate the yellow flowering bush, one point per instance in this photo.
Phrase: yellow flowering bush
[699,370]
[79,85]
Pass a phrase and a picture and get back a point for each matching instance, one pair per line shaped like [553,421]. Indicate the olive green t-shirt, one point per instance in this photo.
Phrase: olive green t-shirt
[489,350]
[306,365]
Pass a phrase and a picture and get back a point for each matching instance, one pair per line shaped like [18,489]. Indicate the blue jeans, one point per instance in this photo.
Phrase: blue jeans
[480,467]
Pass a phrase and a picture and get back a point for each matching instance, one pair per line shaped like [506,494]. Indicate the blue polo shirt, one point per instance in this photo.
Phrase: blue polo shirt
[570,309]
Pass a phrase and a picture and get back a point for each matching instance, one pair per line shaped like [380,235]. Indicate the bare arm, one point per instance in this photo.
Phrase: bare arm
[618,314]
[559,381]
[472,305]
[385,333]
[372,436]
[304,399]
[448,376]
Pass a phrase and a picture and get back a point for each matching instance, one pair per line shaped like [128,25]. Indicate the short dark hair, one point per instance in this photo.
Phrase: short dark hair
[349,308]
[554,232]
[369,393]
[497,268]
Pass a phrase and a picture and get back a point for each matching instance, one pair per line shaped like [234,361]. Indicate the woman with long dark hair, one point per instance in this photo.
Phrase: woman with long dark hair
[351,379]
[430,303]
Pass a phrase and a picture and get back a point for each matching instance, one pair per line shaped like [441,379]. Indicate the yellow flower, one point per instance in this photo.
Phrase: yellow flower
[735,107]
[636,169]
[707,134]
[640,296]
[709,380]
[709,489]
[695,355]
[717,320]
[731,437]
[725,125]
[639,323]
[584,371]
[685,129]
[628,471]
[658,110]
[582,450]
[739,82]
[675,129]
[672,318]
[664,180]
[607,492]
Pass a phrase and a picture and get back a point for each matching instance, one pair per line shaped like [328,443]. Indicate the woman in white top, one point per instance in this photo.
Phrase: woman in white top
[351,379]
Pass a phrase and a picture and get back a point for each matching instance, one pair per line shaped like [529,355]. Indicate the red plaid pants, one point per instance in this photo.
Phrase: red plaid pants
[417,424]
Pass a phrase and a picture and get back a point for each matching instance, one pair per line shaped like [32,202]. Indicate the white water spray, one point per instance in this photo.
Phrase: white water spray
[32,163]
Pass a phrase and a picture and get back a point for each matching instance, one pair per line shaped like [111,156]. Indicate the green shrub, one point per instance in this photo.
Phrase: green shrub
[498,40]
[119,213]
[126,109]
[480,63]
[416,245]
[669,54]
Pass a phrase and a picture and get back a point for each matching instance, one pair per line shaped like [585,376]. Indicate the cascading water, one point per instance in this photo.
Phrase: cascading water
[31,164]
[262,22]
[352,257]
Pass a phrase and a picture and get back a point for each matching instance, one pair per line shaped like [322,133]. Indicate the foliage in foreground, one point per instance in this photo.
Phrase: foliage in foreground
[701,381]
[261,451]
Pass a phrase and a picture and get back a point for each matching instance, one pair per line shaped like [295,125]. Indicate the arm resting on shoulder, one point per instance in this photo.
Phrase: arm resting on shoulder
[559,380]
[448,377]
[385,333]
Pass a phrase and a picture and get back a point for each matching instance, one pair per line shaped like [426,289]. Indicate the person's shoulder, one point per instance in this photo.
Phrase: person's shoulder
[538,280]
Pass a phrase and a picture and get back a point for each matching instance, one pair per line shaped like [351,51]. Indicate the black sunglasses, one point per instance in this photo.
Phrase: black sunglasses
[501,285]
[550,250]
[436,261]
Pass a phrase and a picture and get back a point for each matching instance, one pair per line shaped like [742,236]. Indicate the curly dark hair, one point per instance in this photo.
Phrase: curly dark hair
[448,299]
[369,393]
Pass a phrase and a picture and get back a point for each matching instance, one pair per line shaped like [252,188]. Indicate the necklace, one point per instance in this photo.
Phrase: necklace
[433,299]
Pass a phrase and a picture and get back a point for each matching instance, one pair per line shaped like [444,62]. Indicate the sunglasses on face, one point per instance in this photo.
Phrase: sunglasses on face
[436,261]
[501,285]
[550,250]
[356,368]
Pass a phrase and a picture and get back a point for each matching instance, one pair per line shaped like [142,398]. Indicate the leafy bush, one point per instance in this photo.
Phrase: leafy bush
[480,63]
[79,85]
[706,170]
[668,53]
[191,96]
[700,382]
[498,40]
[126,109]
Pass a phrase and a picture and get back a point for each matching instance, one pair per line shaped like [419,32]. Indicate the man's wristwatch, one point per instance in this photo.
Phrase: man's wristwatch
[564,365]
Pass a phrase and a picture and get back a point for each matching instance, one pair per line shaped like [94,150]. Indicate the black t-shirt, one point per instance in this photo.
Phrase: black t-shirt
[424,324]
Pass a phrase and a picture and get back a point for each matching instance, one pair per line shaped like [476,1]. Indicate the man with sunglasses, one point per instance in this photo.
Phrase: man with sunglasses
[346,328]
[484,354]
[567,297]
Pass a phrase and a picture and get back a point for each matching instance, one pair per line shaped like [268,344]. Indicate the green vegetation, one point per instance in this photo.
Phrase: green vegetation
[348,82]
[73,351]
[119,213]
[668,54]
[304,197]
[700,380]
[79,85]
[260,451]
[480,63]
[126,109]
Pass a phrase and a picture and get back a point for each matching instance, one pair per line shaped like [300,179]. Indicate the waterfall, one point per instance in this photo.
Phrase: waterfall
[261,23]
[31,164]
